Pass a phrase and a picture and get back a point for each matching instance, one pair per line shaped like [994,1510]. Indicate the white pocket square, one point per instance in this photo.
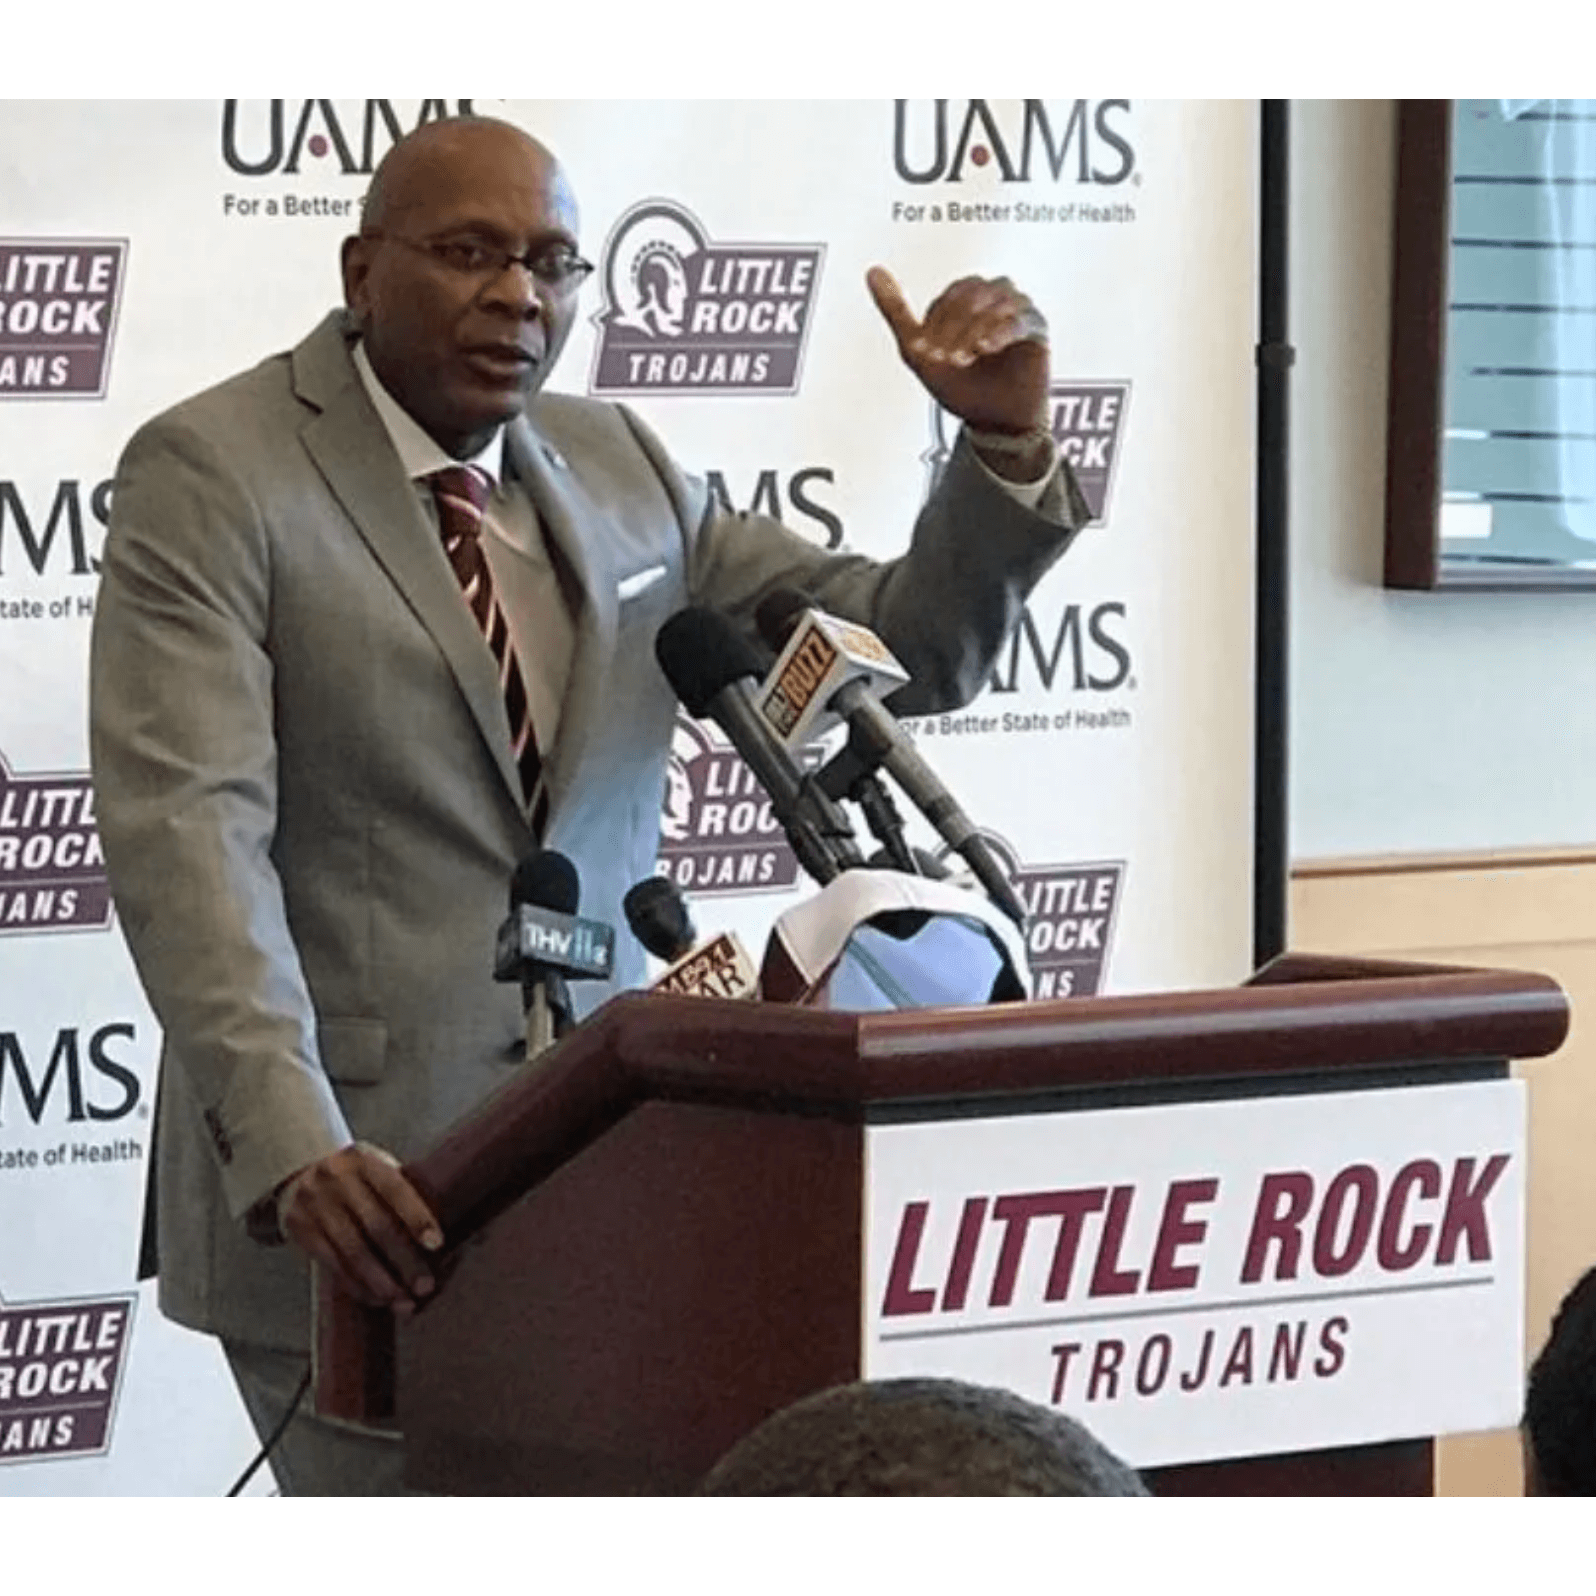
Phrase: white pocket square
[639,582]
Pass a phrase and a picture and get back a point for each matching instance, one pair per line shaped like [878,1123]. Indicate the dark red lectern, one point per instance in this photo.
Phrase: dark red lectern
[656,1231]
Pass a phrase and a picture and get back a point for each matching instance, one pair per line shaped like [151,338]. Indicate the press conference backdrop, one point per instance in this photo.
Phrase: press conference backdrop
[149,249]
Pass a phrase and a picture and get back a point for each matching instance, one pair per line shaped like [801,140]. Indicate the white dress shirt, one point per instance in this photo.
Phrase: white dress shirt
[540,615]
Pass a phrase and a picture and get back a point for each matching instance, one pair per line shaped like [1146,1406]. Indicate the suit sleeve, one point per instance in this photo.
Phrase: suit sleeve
[185,772]
[945,608]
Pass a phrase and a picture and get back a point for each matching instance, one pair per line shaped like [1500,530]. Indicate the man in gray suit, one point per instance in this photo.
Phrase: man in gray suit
[309,797]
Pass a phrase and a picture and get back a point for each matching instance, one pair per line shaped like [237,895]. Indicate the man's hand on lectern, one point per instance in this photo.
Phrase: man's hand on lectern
[357,1215]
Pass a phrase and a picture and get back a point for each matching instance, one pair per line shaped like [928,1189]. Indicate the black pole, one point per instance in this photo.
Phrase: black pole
[1271,840]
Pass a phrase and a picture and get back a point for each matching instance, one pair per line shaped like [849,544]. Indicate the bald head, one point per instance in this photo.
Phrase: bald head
[421,161]
[461,280]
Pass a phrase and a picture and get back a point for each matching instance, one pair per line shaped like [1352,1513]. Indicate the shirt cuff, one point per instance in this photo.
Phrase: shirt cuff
[1027,494]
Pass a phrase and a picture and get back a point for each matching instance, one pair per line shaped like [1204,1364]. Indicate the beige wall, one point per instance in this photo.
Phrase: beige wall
[1529,911]
[1443,746]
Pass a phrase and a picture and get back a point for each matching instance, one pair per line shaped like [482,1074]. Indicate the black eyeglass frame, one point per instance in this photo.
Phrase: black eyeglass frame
[495,260]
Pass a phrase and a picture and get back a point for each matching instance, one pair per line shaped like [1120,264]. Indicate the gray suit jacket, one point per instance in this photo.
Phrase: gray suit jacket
[303,776]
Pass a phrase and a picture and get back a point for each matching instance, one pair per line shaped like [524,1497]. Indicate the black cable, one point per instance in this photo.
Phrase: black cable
[276,1435]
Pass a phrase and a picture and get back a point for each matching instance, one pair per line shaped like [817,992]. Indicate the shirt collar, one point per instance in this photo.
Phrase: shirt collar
[419,453]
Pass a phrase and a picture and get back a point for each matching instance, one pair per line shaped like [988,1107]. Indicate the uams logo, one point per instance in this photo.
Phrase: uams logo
[50,529]
[265,139]
[1088,422]
[1085,652]
[52,873]
[684,315]
[718,833]
[1069,920]
[58,304]
[1081,141]
[803,513]
[60,1369]
[79,1082]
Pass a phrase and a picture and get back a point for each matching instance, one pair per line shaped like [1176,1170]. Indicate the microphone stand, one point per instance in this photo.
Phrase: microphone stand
[852,774]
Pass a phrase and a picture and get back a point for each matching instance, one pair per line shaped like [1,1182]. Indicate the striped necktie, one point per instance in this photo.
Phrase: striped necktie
[462,493]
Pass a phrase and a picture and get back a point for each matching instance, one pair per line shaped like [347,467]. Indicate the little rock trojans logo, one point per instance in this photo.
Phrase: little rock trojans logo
[58,305]
[52,872]
[1070,911]
[60,1369]
[1088,422]
[684,315]
[718,833]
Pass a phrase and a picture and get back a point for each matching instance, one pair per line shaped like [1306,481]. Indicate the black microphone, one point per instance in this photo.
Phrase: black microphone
[851,774]
[875,739]
[660,919]
[543,945]
[713,669]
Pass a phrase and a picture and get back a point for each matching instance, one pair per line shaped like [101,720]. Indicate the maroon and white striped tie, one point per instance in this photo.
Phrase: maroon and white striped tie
[461,493]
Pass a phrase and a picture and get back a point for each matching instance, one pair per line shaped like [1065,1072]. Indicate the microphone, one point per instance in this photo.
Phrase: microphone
[659,917]
[798,699]
[793,706]
[837,679]
[543,945]
[712,669]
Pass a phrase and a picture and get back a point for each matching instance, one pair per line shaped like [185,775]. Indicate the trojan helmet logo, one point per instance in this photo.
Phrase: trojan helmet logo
[645,269]
[687,746]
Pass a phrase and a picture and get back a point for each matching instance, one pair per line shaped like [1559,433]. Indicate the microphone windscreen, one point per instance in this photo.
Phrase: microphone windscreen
[658,915]
[546,879]
[777,614]
[702,653]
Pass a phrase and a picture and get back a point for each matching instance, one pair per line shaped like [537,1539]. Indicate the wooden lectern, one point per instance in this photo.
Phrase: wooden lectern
[655,1232]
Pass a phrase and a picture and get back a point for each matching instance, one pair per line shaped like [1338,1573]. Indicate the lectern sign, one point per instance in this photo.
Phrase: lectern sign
[1208,1280]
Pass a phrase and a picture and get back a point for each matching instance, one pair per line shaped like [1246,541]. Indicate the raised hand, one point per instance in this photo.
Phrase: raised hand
[981,350]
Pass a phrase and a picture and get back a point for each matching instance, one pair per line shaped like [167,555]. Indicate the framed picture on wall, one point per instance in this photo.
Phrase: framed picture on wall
[1491,439]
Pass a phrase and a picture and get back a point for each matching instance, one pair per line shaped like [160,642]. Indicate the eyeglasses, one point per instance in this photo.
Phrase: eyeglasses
[556,266]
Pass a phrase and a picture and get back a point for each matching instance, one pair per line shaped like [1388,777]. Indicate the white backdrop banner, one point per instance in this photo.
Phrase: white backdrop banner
[149,249]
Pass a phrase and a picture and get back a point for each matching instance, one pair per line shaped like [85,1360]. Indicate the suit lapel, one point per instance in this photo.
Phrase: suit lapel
[353,452]
[570,522]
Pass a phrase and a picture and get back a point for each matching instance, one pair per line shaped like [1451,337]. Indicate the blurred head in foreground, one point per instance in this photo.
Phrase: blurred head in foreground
[920,1437]
[1560,1403]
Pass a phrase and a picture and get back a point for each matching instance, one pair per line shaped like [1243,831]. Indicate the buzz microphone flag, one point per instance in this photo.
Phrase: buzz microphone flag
[839,660]
[817,655]
[823,655]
